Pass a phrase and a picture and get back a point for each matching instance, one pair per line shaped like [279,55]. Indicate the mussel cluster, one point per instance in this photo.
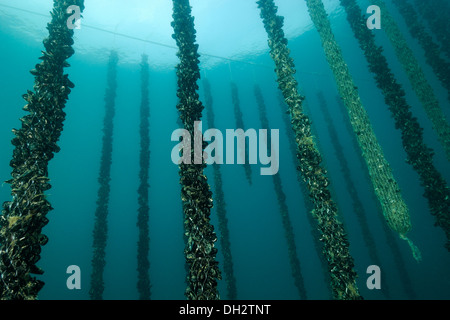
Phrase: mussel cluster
[418,154]
[220,205]
[306,201]
[284,212]
[333,236]
[436,13]
[100,232]
[196,195]
[240,125]
[143,263]
[386,188]
[416,76]
[35,144]
[417,29]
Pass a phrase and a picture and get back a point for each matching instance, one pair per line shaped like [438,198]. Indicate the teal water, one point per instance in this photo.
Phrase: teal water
[258,243]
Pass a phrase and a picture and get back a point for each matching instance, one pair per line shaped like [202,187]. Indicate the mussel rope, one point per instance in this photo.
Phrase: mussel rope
[240,125]
[333,236]
[221,206]
[436,13]
[390,239]
[308,205]
[143,264]
[358,208]
[416,77]
[196,195]
[388,192]
[417,29]
[100,232]
[418,154]
[284,211]
[35,144]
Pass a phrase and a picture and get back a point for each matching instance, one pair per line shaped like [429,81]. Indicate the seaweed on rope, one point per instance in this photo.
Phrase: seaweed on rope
[35,144]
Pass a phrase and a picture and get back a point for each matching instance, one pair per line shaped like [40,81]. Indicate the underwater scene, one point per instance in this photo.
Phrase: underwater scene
[225,149]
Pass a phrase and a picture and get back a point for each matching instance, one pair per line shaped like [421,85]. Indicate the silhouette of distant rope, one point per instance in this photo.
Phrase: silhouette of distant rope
[143,264]
[283,208]
[100,232]
[221,206]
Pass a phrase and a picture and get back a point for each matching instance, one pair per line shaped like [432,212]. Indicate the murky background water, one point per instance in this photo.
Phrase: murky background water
[257,238]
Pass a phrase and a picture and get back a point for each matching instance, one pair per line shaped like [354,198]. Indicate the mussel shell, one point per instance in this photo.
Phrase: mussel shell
[43,239]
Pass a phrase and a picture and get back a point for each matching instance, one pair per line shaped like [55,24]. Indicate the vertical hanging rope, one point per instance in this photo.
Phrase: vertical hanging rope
[358,207]
[143,265]
[390,239]
[284,212]
[435,12]
[196,195]
[35,144]
[440,66]
[418,154]
[415,74]
[231,72]
[388,192]
[240,125]
[100,232]
[307,202]
[221,206]
[333,236]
